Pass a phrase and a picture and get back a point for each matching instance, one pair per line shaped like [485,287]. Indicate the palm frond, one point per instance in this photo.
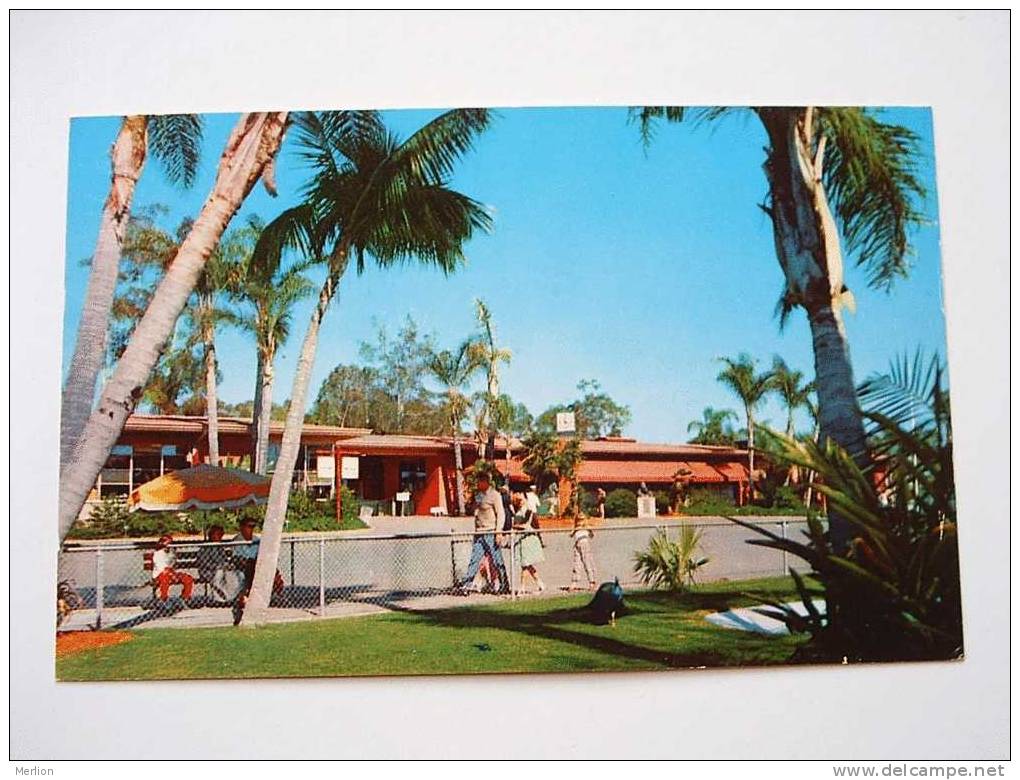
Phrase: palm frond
[871,179]
[908,393]
[431,153]
[176,141]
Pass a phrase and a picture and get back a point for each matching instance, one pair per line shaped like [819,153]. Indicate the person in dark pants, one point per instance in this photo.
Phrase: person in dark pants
[489,518]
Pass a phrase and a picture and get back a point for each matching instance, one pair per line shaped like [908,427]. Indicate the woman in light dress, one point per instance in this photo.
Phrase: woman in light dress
[528,549]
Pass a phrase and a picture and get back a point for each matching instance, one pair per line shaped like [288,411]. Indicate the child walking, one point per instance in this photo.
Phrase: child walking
[528,548]
[583,556]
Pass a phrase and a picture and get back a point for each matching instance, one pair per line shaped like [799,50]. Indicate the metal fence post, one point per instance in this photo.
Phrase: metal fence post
[453,561]
[322,577]
[292,563]
[513,567]
[786,568]
[99,587]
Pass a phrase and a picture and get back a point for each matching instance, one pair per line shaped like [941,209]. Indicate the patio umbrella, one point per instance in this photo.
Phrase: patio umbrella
[201,487]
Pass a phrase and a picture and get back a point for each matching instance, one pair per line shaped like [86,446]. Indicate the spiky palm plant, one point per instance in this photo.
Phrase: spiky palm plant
[895,593]
[370,195]
[833,174]
[671,565]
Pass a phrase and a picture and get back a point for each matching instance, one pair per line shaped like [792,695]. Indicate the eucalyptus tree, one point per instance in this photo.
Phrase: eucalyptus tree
[266,292]
[174,140]
[833,174]
[750,387]
[453,370]
[248,156]
[370,195]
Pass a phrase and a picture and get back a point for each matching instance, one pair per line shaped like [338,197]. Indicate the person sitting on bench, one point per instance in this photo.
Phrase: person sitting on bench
[163,573]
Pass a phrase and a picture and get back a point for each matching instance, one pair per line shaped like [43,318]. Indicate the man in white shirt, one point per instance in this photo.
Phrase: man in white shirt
[489,517]
[531,500]
[163,573]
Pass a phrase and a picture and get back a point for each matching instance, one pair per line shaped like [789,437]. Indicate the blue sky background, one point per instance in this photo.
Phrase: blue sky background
[637,268]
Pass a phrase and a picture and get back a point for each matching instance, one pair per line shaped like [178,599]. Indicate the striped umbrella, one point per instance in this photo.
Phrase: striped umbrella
[201,487]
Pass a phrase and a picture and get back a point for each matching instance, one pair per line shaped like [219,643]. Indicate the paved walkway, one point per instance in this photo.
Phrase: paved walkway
[177,616]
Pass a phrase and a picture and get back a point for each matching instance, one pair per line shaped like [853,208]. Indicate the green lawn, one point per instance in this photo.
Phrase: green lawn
[548,635]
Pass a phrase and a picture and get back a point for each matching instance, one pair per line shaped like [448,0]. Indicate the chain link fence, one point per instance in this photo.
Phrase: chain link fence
[111,583]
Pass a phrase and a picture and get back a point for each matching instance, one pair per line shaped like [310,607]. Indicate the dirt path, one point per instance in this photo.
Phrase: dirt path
[71,642]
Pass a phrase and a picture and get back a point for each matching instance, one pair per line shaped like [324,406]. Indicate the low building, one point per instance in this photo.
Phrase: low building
[416,474]
[152,444]
[404,474]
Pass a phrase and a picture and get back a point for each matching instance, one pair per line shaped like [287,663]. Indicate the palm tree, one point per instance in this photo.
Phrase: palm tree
[370,195]
[832,173]
[268,294]
[713,427]
[541,450]
[491,356]
[789,385]
[751,388]
[453,370]
[175,140]
[246,158]
[208,311]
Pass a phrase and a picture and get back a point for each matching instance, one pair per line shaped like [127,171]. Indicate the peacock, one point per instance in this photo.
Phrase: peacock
[607,603]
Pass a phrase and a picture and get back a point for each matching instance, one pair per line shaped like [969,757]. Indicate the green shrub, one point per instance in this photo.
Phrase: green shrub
[111,519]
[662,504]
[621,503]
[671,565]
[892,589]
[588,503]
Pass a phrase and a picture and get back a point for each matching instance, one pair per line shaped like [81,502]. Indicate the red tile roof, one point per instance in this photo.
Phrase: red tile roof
[180,423]
[603,470]
[382,444]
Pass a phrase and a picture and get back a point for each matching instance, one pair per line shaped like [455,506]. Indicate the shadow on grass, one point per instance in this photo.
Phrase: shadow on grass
[576,626]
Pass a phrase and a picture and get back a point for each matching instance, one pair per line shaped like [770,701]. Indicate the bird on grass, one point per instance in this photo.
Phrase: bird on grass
[607,603]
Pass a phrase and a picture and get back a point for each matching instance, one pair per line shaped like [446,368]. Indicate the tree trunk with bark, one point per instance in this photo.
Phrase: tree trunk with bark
[211,410]
[127,158]
[265,413]
[458,462]
[257,604]
[808,249]
[256,406]
[248,156]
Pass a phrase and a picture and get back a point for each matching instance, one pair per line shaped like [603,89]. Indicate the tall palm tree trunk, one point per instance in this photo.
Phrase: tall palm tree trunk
[750,449]
[127,157]
[256,408]
[279,491]
[458,461]
[808,249]
[265,413]
[248,155]
[211,409]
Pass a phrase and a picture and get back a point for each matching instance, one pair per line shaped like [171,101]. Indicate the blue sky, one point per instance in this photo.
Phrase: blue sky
[637,268]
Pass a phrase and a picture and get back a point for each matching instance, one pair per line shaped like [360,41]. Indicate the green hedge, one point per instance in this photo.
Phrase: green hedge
[110,519]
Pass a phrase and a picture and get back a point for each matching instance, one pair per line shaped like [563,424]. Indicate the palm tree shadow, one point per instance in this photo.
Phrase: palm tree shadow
[556,625]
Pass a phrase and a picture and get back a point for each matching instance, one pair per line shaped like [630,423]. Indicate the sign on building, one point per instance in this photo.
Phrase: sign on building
[349,467]
[565,422]
[324,468]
